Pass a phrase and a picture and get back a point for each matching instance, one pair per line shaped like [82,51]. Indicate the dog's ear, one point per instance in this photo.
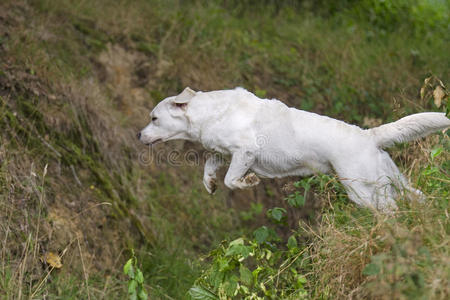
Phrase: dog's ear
[180,102]
[182,99]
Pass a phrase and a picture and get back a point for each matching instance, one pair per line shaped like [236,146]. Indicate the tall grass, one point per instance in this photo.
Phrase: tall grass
[403,256]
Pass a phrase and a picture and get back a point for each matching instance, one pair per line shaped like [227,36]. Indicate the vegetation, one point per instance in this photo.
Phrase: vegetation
[136,289]
[78,192]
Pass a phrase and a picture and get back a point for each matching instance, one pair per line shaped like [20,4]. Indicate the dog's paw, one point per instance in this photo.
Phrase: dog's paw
[210,184]
[251,180]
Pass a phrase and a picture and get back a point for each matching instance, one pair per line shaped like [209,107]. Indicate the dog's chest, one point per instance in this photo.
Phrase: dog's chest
[224,141]
[212,145]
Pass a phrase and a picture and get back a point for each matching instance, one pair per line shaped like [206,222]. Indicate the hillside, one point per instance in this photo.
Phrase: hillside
[77,81]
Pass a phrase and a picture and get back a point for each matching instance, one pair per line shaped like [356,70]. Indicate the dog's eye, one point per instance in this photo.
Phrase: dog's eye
[154,119]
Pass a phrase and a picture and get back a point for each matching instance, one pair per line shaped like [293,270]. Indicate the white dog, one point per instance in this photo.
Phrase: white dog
[274,140]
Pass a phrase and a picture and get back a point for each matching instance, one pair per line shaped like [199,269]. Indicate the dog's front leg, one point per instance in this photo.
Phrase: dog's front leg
[213,163]
[240,164]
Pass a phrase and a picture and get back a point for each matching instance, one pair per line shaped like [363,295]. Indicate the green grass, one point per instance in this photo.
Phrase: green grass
[77,79]
[400,256]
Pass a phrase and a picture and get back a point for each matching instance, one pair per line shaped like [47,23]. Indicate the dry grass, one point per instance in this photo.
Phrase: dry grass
[359,255]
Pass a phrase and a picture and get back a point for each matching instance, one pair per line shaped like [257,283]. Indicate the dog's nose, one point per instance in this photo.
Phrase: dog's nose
[138,135]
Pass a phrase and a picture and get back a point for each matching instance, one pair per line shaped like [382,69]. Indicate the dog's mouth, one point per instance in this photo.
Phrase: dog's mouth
[160,140]
[157,141]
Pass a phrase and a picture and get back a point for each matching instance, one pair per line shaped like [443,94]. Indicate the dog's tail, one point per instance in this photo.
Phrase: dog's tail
[409,128]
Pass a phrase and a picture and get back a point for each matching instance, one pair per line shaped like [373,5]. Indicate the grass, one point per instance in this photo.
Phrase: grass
[77,79]
[403,256]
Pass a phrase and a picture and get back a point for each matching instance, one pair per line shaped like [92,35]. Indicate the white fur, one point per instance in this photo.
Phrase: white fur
[274,140]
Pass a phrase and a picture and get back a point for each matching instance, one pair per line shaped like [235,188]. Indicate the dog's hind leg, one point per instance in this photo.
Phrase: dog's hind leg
[401,188]
[373,194]
[406,191]
[241,162]
[213,163]
[370,179]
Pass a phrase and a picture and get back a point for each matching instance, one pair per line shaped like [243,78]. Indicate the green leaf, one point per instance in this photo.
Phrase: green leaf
[132,285]
[291,201]
[296,199]
[238,250]
[132,296]
[292,242]
[142,295]
[255,272]
[299,200]
[131,272]
[301,279]
[268,254]
[261,234]
[198,292]
[371,269]
[273,236]
[128,266]
[139,276]
[306,185]
[276,213]
[223,263]
[436,151]
[246,275]
[217,277]
[239,241]
[230,286]
[244,289]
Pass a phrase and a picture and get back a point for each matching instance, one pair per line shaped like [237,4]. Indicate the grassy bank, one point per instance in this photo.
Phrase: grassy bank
[78,78]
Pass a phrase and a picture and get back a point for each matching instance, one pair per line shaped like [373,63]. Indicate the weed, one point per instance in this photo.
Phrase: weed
[136,289]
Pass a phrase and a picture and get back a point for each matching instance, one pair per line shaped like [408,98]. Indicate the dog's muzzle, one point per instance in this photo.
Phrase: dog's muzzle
[138,135]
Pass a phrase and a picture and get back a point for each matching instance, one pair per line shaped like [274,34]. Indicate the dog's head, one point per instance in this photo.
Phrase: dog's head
[168,120]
